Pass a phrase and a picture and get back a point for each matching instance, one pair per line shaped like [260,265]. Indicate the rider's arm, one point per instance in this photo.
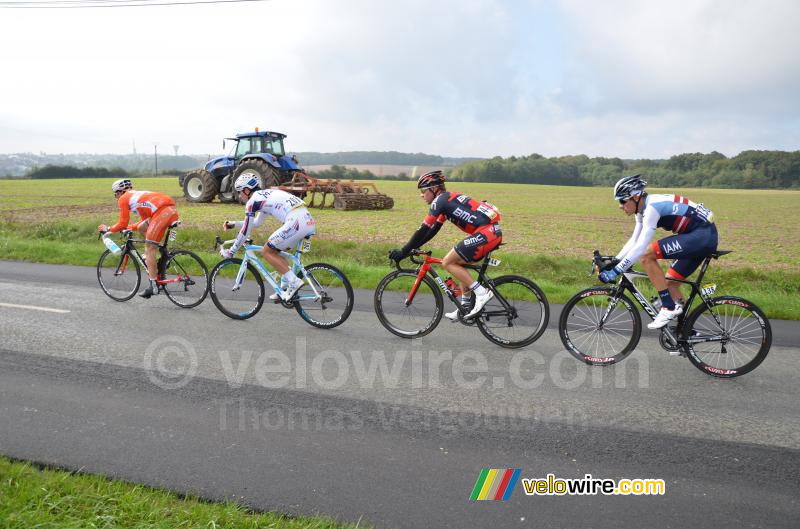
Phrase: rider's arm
[649,224]
[253,219]
[427,231]
[124,214]
[628,245]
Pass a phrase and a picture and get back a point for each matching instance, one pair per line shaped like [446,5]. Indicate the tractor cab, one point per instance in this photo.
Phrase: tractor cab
[258,143]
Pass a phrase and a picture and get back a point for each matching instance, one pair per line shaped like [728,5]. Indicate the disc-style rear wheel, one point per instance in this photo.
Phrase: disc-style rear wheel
[237,302]
[119,275]
[729,339]
[406,319]
[326,298]
[599,329]
[187,277]
[517,315]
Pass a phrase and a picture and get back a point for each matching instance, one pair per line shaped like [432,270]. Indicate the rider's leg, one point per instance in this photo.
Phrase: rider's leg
[656,275]
[273,257]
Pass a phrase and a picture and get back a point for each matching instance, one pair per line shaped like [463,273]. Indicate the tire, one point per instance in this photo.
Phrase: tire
[408,321]
[266,174]
[337,296]
[119,286]
[200,186]
[230,196]
[243,303]
[524,323]
[191,274]
[748,332]
[582,335]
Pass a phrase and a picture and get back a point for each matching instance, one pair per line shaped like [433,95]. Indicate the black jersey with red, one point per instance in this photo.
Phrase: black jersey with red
[466,213]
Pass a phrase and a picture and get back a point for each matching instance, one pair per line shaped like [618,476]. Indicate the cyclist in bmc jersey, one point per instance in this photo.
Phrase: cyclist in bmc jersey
[157,212]
[478,219]
[695,237]
[289,210]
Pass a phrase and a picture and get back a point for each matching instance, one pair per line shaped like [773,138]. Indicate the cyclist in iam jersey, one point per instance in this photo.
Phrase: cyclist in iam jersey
[695,237]
[157,212]
[289,210]
[478,219]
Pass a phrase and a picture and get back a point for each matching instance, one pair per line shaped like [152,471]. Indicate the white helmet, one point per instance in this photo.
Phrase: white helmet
[121,185]
[246,181]
[629,186]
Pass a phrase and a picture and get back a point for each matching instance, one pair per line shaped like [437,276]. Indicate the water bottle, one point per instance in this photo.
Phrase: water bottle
[454,288]
[112,246]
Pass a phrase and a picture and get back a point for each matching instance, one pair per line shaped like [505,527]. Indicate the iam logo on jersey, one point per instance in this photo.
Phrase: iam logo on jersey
[495,484]
[672,247]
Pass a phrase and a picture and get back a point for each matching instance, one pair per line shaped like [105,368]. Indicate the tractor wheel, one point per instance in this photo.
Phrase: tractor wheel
[266,174]
[200,186]
[227,196]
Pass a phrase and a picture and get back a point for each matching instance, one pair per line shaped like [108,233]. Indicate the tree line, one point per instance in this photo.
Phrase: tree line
[749,170]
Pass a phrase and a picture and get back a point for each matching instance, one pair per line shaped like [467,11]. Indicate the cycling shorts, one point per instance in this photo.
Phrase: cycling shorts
[158,223]
[687,249]
[479,243]
[297,225]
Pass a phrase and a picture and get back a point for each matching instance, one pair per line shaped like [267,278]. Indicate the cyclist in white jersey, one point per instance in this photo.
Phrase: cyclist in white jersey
[695,237]
[290,210]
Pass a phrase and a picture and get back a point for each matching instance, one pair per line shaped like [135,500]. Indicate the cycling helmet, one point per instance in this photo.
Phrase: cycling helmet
[628,187]
[121,185]
[246,181]
[430,179]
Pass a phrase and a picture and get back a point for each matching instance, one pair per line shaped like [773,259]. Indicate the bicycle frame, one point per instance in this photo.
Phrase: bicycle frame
[130,249]
[426,267]
[251,252]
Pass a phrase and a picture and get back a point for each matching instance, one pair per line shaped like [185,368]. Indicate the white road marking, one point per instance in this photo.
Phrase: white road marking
[31,307]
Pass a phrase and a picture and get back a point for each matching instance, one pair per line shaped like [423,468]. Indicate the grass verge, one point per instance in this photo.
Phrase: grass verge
[41,497]
[777,292]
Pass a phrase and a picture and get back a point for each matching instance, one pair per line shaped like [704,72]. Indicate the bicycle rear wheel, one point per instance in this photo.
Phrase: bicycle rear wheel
[595,332]
[412,320]
[119,275]
[237,303]
[522,321]
[728,339]
[333,301]
[188,276]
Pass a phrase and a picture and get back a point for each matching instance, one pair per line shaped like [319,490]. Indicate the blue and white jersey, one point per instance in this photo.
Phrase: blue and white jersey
[670,212]
[274,202]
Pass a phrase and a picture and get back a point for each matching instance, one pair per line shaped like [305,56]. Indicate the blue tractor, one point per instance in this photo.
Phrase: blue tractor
[260,154]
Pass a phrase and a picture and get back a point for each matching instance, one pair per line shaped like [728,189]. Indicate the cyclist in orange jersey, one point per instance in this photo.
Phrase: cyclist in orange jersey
[156,211]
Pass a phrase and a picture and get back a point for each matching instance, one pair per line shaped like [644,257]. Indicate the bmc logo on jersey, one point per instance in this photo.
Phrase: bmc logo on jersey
[462,198]
[672,247]
[464,215]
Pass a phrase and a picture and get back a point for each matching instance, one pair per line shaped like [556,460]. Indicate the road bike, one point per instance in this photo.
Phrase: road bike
[409,302]
[237,286]
[182,275]
[723,336]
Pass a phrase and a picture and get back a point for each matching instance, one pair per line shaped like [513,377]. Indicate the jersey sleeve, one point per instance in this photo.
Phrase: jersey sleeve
[253,218]
[124,214]
[642,236]
[435,214]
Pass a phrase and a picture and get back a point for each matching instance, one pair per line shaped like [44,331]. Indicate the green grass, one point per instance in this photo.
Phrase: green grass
[549,231]
[45,498]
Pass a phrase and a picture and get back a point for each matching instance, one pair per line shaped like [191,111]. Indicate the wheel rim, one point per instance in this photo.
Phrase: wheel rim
[522,323]
[241,303]
[598,341]
[118,286]
[408,320]
[335,304]
[743,339]
[194,187]
[192,280]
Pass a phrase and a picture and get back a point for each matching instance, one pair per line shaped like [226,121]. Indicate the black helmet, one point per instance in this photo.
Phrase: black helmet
[430,179]
[629,186]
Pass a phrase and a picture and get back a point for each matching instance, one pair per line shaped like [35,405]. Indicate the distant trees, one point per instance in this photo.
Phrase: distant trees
[749,169]
[67,171]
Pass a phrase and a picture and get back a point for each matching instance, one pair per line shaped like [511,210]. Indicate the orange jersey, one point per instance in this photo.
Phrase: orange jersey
[145,203]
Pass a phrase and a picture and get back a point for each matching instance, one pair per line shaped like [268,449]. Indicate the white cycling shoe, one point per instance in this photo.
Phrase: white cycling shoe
[453,316]
[274,296]
[664,316]
[480,301]
[291,289]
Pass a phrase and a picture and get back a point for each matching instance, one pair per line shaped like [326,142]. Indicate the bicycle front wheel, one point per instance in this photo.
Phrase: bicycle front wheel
[517,315]
[326,298]
[186,277]
[236,300]
[408,320]
[599,328]
[728,337]
[119,275]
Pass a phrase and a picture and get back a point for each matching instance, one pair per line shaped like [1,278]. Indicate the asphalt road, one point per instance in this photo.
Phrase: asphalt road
[360,425]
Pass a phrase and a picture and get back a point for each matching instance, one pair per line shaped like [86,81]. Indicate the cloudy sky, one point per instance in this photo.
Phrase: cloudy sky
[456,78]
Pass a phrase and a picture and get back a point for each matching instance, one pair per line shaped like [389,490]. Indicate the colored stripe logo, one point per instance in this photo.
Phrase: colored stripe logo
[495,484]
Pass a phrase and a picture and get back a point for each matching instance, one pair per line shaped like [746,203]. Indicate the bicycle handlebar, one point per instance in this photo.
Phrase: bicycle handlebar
[599,262]
[219,242]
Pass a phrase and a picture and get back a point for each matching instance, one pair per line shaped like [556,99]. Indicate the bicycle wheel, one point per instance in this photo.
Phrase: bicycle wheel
[412,320]
[119,275]
[729,338]
[517,315]
[242,302]
[188,276]
[329,302]
[596,332]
